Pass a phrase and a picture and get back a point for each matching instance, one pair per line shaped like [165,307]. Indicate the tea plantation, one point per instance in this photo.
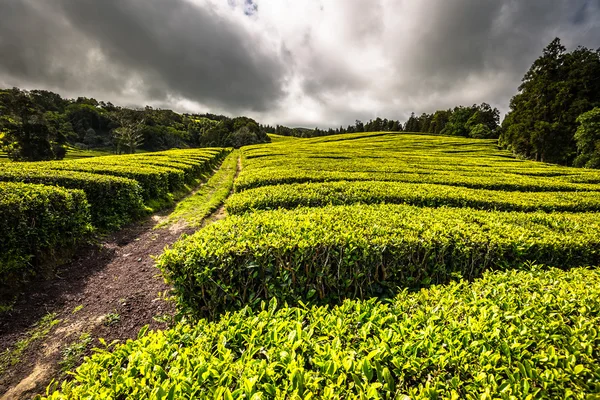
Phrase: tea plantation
[48,208]
[371,265]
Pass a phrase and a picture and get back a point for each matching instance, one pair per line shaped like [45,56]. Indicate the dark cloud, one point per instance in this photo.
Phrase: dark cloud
[319,62]
[162,48]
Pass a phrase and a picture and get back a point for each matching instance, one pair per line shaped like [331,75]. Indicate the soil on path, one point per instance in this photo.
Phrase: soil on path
[116,277]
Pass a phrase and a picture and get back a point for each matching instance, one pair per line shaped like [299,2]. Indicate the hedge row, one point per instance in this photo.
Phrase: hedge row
[511,335]
[154,181]
[38,225]
[158,173]
[114,200]
[360,251]
[251,178]
[406,158]
[428,195]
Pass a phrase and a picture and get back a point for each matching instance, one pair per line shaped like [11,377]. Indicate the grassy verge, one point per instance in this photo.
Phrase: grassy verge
[208,198]
[72,355]
[11,357]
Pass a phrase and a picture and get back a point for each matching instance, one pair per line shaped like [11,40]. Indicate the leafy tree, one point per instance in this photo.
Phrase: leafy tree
[558,88]
[359,126]
[243,137]
[587,139]
[425,122]
[480,131]
[24,131]
[485,115]
[439,121]
[412,125]
[129,133]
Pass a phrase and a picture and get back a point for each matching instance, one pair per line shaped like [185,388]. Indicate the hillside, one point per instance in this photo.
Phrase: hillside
[374,265]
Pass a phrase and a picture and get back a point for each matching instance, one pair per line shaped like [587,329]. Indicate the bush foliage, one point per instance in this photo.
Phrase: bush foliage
[330,253]
[427,195]
[113,200]
[511,335]
[38,225]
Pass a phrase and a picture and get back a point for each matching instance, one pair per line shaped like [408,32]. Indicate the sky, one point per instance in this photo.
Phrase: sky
[305,63]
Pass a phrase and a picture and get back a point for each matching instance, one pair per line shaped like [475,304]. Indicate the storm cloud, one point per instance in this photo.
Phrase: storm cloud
[310,63]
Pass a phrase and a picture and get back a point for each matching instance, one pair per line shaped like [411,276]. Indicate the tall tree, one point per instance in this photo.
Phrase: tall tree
[558,88]
[25,133]
[412,125]
[128,134]
[587,138]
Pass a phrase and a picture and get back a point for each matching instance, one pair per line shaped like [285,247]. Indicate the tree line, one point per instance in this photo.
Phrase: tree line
[476,121]
[39,125]
[554,117]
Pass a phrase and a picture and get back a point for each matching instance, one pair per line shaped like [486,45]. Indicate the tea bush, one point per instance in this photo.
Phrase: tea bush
[113,200]
[330,253]
[427,195]
[510,335]
[408,158]
[38,225]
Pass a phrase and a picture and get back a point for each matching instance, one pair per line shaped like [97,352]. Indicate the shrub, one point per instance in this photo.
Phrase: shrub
[428,195]
[361,251]
[511,335]
[113,200]
[38,225]
[154,182]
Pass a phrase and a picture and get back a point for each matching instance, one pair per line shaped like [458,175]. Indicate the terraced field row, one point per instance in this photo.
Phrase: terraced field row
[317,220]
[50,207]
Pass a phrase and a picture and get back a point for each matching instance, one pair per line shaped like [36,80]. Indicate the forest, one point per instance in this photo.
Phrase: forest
[40,125]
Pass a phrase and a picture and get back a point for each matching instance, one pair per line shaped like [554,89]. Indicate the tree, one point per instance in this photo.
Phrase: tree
[480,131]
[439,121]
[243,137]
[359,126]
[587,139]
[559,87]
[24,131]
[457,122]
[128,134]
[412,125]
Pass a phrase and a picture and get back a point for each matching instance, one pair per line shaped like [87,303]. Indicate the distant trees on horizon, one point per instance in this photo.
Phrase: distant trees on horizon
[38,125]
[476,121]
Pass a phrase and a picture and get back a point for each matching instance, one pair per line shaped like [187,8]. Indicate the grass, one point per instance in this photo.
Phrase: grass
[74,153]
[11,357]
[72,355]
[208,198]
[111,318]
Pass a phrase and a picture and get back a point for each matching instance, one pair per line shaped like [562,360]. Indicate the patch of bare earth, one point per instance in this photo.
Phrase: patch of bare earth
[117,277]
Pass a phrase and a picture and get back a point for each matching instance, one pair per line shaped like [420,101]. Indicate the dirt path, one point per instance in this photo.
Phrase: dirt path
[110,291]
